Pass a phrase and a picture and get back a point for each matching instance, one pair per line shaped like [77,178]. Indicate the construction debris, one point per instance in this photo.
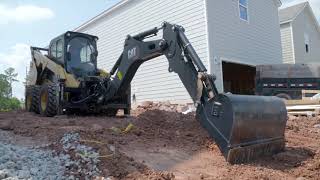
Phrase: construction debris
[117,130]
[166,106]
[317,126]
[304,110]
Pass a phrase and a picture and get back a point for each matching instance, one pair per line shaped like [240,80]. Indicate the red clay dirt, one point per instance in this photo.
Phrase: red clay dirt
[169,145]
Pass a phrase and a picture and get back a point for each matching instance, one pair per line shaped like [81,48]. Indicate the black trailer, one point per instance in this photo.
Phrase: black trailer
[287,80]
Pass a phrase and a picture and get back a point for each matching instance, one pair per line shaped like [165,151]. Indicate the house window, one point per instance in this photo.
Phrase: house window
[243,9]
[307,42]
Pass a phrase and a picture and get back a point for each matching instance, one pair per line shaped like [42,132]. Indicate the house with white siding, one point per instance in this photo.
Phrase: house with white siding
[300,34]
[230,36]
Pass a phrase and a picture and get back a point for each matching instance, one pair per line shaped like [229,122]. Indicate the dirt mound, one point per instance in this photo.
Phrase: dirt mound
[294,156]
[156,144]
[173,128]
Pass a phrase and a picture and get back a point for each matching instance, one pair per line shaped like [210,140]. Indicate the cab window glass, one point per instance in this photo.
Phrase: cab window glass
[53,50]
[85,53]
[59,49]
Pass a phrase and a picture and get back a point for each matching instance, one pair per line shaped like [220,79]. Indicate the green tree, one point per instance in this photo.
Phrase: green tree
[11,77]
[7,102]
[4,86]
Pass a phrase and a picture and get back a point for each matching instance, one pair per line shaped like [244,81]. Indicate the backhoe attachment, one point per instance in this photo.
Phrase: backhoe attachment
[244,127]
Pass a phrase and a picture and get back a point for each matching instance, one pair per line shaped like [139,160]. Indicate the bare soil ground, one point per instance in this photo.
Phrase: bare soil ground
[170,145]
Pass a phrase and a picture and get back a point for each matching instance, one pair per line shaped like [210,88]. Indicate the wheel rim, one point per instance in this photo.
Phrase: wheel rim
[44,100]
[29,101]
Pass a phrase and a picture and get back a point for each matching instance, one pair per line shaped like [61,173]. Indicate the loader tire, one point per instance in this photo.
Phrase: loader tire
[28,99]
[48,105]
[111,112]
[35,99]
[127,111]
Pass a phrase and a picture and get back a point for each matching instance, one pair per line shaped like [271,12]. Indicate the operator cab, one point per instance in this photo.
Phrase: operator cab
[77,52]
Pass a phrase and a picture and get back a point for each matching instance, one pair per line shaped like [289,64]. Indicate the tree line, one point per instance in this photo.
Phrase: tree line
[7,101]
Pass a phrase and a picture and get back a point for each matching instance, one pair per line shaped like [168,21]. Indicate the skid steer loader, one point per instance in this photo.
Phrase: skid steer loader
[67,79]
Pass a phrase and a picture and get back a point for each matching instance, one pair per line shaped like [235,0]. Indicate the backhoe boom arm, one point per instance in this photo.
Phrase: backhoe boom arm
[228,118]
[181,56]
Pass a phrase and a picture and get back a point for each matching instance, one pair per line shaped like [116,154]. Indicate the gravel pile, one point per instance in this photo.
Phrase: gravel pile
[19,162]
[86,159]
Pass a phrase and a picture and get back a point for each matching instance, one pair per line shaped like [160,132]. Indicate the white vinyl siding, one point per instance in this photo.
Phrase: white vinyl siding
[304,25]
[152,81]
[232,39]
[287,43]
[212,26]
[307,42]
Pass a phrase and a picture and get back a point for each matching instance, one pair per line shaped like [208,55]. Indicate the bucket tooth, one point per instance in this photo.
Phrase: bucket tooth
[248,153]
[245,127]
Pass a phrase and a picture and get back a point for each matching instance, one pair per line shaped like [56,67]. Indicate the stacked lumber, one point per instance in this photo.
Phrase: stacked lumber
[303,107]
[307,94]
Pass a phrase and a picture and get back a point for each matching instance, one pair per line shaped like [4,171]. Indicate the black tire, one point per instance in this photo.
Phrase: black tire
[28,99]
[127,111]
[111,112]
[72,111]
[284,96]
[48,105]
[36,99]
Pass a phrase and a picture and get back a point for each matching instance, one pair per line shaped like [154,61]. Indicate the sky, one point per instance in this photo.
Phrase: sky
[35,22]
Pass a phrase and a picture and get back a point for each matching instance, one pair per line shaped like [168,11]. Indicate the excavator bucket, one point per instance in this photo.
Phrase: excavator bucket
[245,127]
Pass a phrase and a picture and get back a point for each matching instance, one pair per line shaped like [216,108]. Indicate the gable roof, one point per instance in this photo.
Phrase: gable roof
[120,4]
[103,14]
[288,14]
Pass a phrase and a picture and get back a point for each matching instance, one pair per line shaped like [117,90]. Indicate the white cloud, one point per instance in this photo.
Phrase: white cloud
[19,58]
[24,14]
[315,4]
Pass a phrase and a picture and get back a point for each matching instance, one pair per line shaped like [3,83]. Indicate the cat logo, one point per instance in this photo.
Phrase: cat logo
[132,53]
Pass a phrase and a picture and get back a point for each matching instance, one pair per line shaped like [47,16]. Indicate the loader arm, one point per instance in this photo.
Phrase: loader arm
[244,127]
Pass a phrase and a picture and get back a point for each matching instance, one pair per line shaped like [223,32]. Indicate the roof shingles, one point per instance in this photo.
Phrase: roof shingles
[288,14]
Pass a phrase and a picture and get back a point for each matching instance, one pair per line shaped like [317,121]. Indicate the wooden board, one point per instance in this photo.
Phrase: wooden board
[304,91]
[305,110]
[303,107]
[303,113]
[310,93]
[302,102]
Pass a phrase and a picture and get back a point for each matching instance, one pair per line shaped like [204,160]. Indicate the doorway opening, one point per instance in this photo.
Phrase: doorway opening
[238,78]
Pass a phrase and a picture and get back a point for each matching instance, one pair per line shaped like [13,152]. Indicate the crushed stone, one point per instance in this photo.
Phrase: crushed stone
[86,159]
[25,161]
[19,162]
